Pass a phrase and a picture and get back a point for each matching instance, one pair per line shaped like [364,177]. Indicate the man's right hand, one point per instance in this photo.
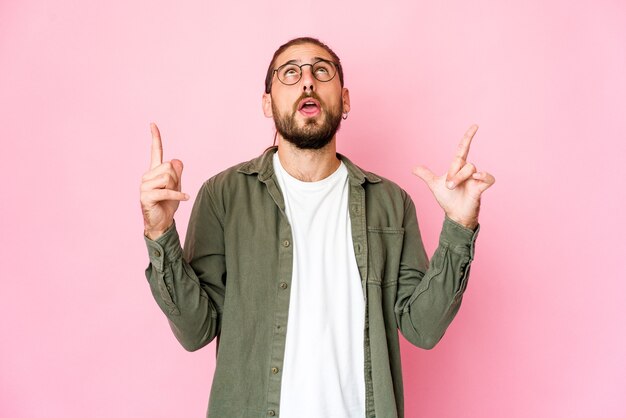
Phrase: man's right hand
[160,190]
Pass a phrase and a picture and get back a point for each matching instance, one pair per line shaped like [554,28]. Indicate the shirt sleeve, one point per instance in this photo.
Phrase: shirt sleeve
[429,294]
[189,285]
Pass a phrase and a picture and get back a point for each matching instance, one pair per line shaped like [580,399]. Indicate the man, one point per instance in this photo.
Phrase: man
[303,265]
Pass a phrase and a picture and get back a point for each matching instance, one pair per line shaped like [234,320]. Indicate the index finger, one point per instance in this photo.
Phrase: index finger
[157,147]
[464,145]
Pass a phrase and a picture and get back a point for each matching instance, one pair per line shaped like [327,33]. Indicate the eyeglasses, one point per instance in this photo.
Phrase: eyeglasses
[289,74]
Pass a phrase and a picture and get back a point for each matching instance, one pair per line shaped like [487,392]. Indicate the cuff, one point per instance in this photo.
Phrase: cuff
[458,237]
[164,249]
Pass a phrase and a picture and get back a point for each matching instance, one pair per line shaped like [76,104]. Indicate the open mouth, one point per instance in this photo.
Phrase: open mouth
[309,107]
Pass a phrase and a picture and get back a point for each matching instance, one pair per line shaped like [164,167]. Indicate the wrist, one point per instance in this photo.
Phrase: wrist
[155,233]
[152,234]
[471,223]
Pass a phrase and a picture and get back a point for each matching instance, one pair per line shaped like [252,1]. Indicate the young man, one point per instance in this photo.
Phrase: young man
[303,265]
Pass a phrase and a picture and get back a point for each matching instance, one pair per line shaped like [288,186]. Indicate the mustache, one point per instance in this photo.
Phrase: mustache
[310,94]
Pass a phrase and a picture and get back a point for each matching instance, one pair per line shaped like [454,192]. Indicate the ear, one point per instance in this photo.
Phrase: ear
[345,97]
[267,105]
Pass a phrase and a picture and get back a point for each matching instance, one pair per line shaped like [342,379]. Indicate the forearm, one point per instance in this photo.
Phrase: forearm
[434,300]
[192,314]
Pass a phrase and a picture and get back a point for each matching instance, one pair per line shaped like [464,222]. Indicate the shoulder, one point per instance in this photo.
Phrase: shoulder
[387,196]
[378,186]
[385,200]
[241,183]
[242,172]
[385,185]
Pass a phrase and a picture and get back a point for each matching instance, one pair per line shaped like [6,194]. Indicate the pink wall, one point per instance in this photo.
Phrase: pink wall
[541,332]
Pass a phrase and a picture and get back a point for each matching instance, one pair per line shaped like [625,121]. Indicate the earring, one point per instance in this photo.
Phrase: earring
[344,116]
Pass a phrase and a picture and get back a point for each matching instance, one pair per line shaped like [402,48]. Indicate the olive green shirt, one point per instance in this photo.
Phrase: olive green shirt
[232,281]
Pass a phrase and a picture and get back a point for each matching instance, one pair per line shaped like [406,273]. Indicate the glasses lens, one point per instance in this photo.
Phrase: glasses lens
[289,74]
[324,70]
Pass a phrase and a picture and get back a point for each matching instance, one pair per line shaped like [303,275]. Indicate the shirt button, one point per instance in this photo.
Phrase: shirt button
[271,413]
[156,253]
[274,370]
[283,285]
[286,243]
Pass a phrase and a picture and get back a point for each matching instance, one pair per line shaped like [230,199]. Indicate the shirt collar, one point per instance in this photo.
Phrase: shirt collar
[263,166]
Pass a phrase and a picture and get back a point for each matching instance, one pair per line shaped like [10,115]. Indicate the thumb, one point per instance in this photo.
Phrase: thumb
[425,174]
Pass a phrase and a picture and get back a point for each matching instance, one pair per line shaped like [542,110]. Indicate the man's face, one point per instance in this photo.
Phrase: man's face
[307,113]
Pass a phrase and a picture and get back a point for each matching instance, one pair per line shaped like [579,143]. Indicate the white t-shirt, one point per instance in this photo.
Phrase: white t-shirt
[323,371]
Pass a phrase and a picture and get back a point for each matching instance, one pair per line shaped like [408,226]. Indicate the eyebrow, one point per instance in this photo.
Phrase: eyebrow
[315,59]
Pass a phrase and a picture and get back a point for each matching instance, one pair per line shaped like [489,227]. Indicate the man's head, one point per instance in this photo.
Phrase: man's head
[300,41]
[304,93]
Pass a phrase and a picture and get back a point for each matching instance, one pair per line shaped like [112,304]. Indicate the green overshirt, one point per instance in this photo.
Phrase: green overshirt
[232,281]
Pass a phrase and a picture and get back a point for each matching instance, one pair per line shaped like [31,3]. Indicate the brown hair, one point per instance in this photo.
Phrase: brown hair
[300,41]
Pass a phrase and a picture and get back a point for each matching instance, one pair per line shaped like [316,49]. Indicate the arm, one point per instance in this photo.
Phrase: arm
[429,297]
[190,289]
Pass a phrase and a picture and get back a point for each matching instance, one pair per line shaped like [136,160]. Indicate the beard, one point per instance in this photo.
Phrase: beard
[314,134]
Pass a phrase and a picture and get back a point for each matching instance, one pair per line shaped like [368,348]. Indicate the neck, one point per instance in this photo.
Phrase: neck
[307,164]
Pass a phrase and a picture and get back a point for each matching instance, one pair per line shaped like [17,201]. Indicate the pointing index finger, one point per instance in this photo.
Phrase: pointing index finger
[157,147]
[464,145]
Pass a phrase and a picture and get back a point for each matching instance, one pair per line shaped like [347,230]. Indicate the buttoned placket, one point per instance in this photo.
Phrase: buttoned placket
[358,223]
[356,204]
[283,285]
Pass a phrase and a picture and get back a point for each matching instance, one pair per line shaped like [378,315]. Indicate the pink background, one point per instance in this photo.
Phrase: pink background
[541,331]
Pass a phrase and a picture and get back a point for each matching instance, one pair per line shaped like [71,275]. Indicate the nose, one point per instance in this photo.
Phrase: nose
[308,81]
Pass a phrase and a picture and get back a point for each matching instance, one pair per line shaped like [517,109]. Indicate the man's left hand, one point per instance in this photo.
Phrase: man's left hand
[458,191]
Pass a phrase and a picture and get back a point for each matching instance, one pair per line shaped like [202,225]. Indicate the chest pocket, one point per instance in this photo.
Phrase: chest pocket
[384,254]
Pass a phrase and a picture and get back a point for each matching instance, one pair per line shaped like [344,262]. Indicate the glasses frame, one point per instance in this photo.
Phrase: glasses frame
[334,65]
